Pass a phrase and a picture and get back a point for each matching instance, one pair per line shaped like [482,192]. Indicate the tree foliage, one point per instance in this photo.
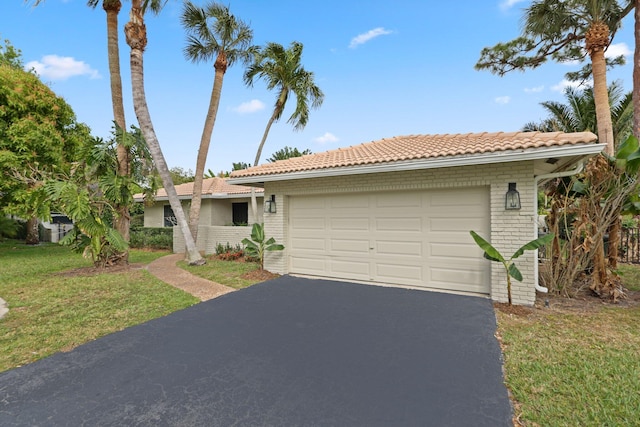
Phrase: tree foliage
[39,136]
[578,113]
[287,153]
[214,33]
[91,192]
[556,30]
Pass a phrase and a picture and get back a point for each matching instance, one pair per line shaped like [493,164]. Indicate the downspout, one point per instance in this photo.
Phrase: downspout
[579,168]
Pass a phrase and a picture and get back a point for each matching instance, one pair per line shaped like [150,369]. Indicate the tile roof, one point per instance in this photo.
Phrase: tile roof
[210,186]
[415,147]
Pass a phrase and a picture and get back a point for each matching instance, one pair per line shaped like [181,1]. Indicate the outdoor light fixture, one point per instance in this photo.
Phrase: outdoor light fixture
[512,198]
[270,204]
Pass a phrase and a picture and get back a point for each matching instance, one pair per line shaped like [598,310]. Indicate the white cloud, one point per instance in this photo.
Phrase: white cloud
[615,50]
[560,87]
[536,89]
[508,4]
[502,100]
[327,137]
[249,107]
[365,37]
[56,67]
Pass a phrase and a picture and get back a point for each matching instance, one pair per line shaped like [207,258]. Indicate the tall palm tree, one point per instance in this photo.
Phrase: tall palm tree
[563,31]
[578,114]
[136,35]
[112,9]
[213,33]
[282,70]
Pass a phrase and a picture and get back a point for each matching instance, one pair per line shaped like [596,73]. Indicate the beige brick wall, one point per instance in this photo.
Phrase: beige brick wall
[509,229]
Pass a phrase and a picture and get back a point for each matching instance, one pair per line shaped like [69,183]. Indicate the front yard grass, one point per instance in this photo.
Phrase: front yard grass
[236,274]
[575,364]
[55,308]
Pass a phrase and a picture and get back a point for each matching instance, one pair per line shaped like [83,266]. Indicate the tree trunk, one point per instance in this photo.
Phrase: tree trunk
[137,39]
[614,242]
[254,203]
[123,218]
[205,140]
[601,98]
[33,238]
[636,73]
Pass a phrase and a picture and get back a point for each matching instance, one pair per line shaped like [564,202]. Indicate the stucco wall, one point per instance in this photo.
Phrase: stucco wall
[210,235]
[509,229]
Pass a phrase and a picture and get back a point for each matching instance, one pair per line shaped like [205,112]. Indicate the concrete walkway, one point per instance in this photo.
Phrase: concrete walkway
[165,269]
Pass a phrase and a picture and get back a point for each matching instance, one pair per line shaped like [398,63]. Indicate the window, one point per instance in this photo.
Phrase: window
[240,213]
[169,217]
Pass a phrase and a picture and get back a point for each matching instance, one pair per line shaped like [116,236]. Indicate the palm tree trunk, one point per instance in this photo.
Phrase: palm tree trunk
[601,98]
[254,203]
[123,218]
[636,73]
[205,140]
[137,39]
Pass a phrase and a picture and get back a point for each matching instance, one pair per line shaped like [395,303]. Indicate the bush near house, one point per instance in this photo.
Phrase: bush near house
[152,238]
[229,253]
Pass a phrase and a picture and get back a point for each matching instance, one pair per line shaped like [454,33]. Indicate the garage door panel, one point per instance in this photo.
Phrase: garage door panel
[350,246]
[360,223]
[456,198]
[310,265]
[349,269]
[399,249]
[399,200]
[398,224]
[413,238]
[452,250]
[452,224]
[350,202]
[309,243]
[393,273]
[316,223]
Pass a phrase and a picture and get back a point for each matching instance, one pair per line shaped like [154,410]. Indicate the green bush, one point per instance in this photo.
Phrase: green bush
[152,237]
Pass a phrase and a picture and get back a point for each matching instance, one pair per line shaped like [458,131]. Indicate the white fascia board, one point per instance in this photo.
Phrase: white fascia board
[433,163]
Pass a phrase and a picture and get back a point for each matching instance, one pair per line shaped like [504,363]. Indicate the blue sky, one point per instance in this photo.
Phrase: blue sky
[387,68]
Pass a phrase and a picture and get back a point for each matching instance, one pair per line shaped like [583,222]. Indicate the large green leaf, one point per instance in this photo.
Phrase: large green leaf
[490,252]
[514,272]
[534,244]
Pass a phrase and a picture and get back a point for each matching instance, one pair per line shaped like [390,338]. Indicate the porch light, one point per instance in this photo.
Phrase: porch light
[270,204]
[512,198]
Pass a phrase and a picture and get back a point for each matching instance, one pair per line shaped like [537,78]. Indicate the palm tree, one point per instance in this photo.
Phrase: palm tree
[112,9]
[136,35]
[563,31]
[578,114]
[282,70]
[213,33]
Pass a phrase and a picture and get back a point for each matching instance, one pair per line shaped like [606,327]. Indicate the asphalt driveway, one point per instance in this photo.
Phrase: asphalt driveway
[288,352]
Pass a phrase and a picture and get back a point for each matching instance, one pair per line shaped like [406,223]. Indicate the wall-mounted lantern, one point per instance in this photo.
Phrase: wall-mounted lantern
[270,204]
[512,198]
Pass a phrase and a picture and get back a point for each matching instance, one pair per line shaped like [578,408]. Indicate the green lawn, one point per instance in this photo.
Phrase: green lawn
[227,273]
[577,366]
[52,312]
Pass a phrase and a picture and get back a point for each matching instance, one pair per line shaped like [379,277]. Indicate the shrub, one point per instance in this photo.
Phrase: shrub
[151,237]
[227,252]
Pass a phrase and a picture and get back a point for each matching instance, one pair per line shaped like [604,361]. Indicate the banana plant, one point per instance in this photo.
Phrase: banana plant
[511,270]
[257,246]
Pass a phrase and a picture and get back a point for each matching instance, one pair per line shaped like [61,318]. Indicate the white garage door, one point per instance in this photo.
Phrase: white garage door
[414,238]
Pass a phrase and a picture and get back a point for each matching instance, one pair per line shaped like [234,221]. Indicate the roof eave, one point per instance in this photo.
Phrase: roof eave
[579,151]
